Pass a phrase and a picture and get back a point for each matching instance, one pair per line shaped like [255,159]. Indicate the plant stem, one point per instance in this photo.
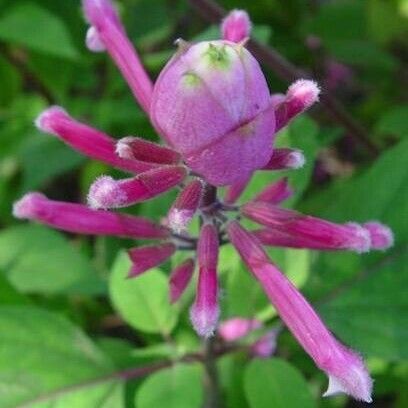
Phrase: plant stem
[212,389]
[285,70]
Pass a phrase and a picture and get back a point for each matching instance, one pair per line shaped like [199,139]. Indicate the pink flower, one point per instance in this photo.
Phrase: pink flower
[212,107]
[237,327]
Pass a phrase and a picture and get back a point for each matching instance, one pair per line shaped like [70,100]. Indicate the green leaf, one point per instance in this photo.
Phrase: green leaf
[394,122]
[9,295]
[372,314]
[38,259]
[143,301]
[275,383]
[34,27]
[176,387]
[48,362]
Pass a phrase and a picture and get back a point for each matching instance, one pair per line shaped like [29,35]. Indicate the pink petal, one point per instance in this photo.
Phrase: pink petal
[135,148]
[236,26]
[381,235]
[204,312]
[180,278]
[237,327]
[345,368]
[86,140]
[306,229]
[185,206]
[285,158]
[276,192]
[80,219]
[103,17]
[106,192]
[147,257]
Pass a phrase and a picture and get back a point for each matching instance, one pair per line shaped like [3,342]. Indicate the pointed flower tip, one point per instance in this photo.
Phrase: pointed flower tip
[381,235]
[354,380]
[45,121]
[204,320]
[105,193]
[305,91]
[236,26]
[93,40]
[25,208]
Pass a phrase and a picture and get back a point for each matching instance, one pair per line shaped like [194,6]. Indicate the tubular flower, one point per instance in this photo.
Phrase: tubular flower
[213,109]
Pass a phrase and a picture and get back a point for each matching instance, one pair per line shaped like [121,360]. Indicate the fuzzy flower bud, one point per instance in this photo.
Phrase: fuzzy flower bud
[236,26]
[93,40]
[276,192]
[283,159]
[212,104]
[381,235]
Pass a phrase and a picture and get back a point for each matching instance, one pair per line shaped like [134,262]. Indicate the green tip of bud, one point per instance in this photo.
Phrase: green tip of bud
[217,56]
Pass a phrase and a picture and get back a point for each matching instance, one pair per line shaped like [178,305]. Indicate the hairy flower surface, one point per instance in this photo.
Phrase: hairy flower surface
[213,109]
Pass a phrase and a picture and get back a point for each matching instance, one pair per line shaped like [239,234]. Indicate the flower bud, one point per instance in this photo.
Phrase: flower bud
[236,26]
[212,104]
[238,327]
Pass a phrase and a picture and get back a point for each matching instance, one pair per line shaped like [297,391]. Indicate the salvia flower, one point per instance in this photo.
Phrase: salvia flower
[213,109]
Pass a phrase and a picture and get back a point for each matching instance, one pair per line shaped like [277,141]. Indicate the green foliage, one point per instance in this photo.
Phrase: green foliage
[175,387]
[276,383]
[142,301]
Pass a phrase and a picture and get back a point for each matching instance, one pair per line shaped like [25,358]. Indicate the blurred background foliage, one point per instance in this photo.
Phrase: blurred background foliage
[71,325]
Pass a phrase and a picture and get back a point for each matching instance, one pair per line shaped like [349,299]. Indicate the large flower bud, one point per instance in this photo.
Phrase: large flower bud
[211,103]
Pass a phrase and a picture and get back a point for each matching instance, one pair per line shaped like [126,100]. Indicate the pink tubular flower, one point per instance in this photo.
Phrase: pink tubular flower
[204,312]
[266,345]
[344,367]
[212,107]
[237,327]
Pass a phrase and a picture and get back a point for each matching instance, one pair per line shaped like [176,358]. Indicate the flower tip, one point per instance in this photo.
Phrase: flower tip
[45,121]
[360,388]
[204,320]
[178,220]
[296,159]
[105,193]
[381,235]
[123,149]
[236,26]
[305,91]
[93,40]
[25,207]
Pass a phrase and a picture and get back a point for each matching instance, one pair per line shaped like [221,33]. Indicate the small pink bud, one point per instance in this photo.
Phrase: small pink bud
[147,257]
[86,140]
[93,40]
[345,368]
[106,192]
[236,26]
[211,103]
[180,278]
[109,32]
[285,158]
[381,235]
[204,312]
[236,328]
[185,206]
[265,346]
[309,229]
[275,193]
[135,148]
[301,95]
[79,219]
[234,191]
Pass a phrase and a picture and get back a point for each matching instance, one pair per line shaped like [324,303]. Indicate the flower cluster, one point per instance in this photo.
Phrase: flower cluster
[212,107]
